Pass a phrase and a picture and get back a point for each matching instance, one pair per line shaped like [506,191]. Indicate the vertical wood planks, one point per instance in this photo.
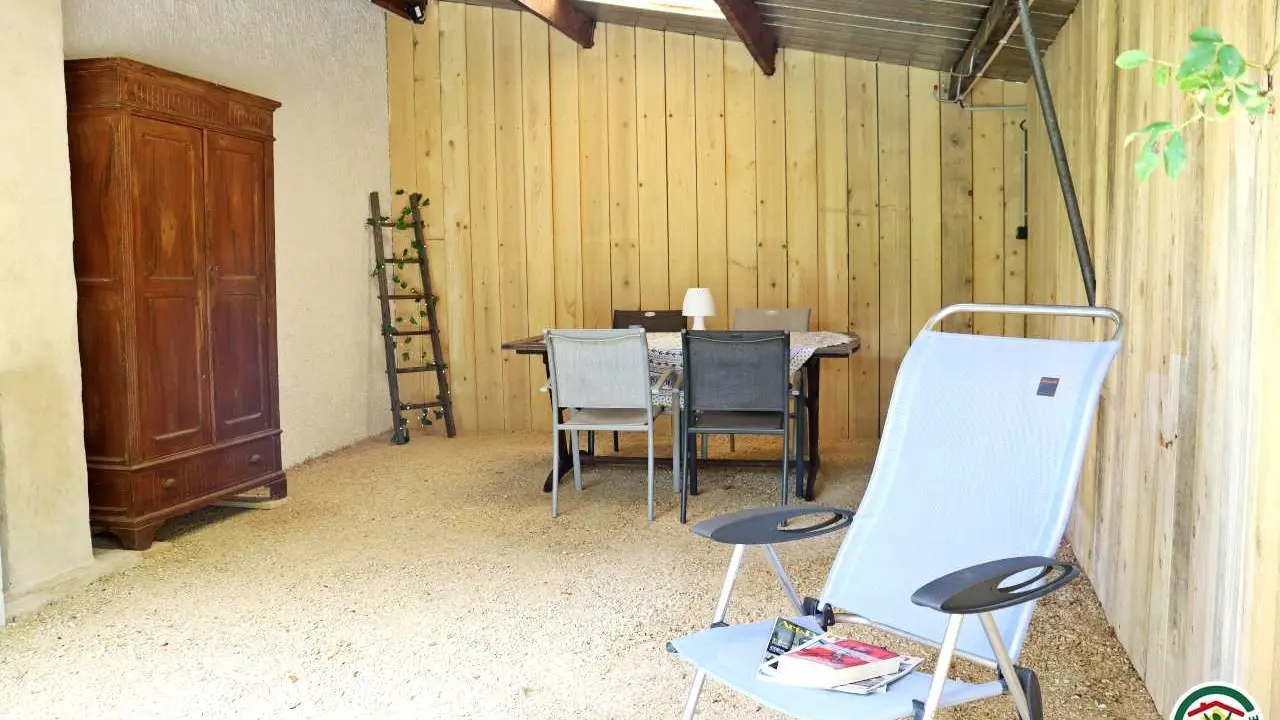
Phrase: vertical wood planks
[708,66]
[1015,253]
[624,229]
[802,182]
[988,206]
[833,235]
[584,181]
[566,193]
[401,125]
[486,291]
[895,227]
[457,212]
[427,165]
[538,216]
[509,146]
[957,214]
[682,169]
[740,168]
[771,188]
[864,246]
[651,171]
[926,198]
[593,114]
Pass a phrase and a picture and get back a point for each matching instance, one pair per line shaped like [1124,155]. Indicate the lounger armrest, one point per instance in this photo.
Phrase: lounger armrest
[978,589]
[763,526]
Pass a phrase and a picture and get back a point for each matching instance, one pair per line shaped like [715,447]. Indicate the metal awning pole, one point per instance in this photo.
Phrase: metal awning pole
[1059,152]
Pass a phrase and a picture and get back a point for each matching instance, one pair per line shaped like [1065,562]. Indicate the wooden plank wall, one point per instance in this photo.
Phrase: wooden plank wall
[1178,517]
[566,183]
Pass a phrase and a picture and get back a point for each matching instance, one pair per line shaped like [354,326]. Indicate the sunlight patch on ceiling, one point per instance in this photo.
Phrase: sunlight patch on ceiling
[698,8]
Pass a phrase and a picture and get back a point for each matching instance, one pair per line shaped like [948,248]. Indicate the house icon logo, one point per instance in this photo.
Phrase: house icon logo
[1216,701]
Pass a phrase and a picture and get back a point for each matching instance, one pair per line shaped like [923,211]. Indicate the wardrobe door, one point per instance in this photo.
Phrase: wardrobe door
[236,191]
[168,227]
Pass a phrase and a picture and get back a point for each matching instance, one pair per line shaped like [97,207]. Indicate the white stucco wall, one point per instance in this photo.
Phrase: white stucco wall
[326,62]
[44,529]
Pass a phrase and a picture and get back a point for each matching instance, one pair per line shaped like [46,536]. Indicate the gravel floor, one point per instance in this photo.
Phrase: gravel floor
[428,581]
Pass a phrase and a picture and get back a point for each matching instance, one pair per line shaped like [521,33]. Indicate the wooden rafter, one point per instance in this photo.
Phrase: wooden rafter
[991,35]
[747,21]
[564,16]
[399,8]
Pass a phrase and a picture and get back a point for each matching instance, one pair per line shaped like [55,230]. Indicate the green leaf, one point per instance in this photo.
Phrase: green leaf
[1231,61]
[1222,102]
[1161,126]
[1206,35]
[1148,160]
[1193,82]
[1175,155]
[1130,59]
[1162,75]
[1197,59]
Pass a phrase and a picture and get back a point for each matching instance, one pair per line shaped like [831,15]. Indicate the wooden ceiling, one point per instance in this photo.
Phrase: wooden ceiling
[936,34]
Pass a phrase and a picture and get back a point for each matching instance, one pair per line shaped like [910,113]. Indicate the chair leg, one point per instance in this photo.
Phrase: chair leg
[615,442]
[555,469]
[650,471]
[706,446]
[786,469]
[577,462]
[675,454]
[1027,709]
[691,705]
[943,666]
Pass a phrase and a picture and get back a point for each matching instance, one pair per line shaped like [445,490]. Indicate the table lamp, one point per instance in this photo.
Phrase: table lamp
[699,305]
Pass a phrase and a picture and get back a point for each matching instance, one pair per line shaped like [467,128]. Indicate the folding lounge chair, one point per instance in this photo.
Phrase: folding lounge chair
[977,469]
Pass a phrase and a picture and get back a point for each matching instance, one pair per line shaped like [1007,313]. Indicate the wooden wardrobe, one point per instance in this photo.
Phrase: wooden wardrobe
[171,181]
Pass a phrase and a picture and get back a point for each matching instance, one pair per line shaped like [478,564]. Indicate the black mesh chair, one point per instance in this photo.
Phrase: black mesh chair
[650,320]
[734,383]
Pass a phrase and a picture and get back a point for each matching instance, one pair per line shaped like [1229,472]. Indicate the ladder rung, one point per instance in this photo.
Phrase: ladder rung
[413,332]
[406,297]
[417,368]
[421,405]
[406,259]
[392,223]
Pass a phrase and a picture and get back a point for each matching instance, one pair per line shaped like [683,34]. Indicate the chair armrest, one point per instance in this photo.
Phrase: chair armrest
[763,526]
[977,589]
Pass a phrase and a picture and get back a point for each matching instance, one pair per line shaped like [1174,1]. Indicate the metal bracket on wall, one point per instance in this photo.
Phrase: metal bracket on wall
[1056,144]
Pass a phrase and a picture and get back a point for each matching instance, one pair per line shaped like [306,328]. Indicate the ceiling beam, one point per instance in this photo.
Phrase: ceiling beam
[400,8]
[564,16]
[746,20]
[996,27]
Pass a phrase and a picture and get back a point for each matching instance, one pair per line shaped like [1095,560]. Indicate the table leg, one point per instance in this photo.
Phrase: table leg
[562,440]
[812,397]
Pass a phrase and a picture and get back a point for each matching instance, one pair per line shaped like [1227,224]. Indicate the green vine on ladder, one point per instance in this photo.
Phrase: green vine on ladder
[1216,79]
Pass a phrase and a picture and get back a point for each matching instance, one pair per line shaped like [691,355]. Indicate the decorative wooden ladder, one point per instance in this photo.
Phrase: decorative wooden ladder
[424,308]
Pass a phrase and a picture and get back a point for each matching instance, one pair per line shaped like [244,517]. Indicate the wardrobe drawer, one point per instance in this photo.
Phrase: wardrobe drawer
[204,474]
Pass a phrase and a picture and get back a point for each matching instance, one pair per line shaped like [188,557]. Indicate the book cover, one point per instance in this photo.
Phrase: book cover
[831,662]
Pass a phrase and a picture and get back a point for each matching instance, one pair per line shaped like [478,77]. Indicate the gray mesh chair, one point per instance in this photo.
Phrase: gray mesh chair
[734,383]
[651,321]
[790,319]
[600,378]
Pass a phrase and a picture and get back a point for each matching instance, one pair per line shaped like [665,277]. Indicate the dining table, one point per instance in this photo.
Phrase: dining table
[808,351]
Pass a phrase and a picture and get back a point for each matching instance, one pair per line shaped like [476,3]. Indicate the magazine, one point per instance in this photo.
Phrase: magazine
[788,636]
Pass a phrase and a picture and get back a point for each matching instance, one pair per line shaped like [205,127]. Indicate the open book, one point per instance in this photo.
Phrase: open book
[790,640]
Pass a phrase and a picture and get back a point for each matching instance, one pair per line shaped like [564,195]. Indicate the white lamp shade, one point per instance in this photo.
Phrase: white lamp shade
[698,304]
